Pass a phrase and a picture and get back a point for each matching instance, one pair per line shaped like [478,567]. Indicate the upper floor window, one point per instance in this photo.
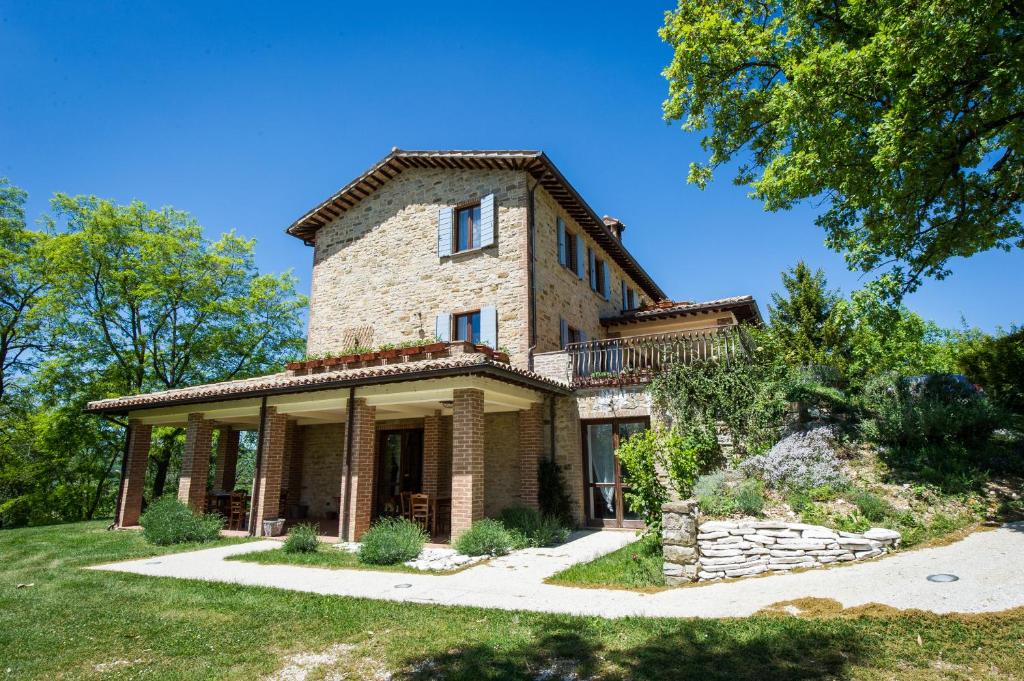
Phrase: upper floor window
[467,224]
[569,334]
[466,326]
[572,246]
[599,275]
[570,250]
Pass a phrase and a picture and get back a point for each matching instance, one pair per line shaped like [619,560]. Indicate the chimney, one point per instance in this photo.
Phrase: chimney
[614,226]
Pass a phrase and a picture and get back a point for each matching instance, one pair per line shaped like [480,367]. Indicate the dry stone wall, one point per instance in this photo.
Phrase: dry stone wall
[721,549]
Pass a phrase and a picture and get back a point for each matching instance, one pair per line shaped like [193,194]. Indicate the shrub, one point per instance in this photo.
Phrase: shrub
[871,506]
[712,494]
[302,539]
[168,521]
[551,492]
[391,541]
[681,455]
[485,537]
[528,528]
[801,460]
[748,497]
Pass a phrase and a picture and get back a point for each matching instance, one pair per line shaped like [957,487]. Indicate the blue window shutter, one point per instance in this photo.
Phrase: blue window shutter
[488,216]
[489,326]
[562,255]
[583,336]
[607,277]
[563,332]
[592,264]
[581,254]
[625,297]
[444,231]
[443,326]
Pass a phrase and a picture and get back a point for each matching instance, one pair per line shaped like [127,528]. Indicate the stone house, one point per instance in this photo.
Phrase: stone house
[470,316]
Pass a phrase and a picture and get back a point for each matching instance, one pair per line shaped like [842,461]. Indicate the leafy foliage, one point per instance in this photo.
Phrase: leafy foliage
[723,493]
[390,541]
[302,539]
[551,492]
[650,455]
[907,119]
[805,321]
[487,537]
[997,364]
[168,521]
[529,528]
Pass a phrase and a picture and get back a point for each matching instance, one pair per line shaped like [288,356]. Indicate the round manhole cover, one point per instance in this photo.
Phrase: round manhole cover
[402,586]
[942,578]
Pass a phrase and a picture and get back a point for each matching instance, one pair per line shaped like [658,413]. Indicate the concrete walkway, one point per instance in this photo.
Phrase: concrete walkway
[987,564]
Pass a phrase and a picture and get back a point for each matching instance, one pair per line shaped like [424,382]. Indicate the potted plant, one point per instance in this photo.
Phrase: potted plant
[367,356]
[296,365]
[436,346]
[388,351]
[273,527]
[486,349]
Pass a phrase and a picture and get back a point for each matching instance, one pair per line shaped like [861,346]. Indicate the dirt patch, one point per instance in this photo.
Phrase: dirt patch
[340,661]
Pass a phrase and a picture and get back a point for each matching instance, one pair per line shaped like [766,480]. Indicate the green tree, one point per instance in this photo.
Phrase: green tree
[805,319]
[22,289]
[906,119]
[996,362]
[139,301]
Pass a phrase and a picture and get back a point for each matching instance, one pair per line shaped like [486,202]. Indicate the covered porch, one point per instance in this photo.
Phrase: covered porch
[342,456]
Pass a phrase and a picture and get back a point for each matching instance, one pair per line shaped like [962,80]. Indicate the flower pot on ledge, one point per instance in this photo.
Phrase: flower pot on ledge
[501,357]
[348,359]
[414,350]
[435,347]
[295,366]
[388,354]
[367,356]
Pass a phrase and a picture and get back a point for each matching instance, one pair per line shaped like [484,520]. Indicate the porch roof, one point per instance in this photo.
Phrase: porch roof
[284,383]
[744,307]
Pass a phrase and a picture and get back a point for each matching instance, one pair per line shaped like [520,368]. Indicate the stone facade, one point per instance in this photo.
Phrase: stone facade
[377,266]
[718,549]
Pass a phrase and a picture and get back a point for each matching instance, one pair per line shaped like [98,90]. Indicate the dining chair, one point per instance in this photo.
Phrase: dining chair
[420,510]
[403,502]
[236,510]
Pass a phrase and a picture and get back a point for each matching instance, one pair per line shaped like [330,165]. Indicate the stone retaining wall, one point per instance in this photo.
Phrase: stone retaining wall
[695,551]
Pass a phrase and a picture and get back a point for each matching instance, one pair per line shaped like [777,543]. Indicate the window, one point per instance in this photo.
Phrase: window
[467,327]
[573,335]
[467,222]
[598,270]
[628,298]
[571,252]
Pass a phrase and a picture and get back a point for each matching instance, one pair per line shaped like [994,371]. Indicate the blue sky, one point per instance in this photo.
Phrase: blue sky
[248,114]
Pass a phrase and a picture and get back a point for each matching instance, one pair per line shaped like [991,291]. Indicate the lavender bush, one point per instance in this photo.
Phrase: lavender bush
[801,460]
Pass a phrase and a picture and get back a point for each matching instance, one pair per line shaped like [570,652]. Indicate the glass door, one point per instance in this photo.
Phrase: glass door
[606,483]
[399,467]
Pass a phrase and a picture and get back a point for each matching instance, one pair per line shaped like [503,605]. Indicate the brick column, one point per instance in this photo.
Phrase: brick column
[293,471]
[227,459]
[431,452]
[134,481]
[364,463]
[530,445]
[467,459]
[195,462]
[268,501]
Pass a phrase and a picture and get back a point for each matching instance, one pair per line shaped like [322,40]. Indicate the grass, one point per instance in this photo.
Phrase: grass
[82,624]
[330,558]
[635,566]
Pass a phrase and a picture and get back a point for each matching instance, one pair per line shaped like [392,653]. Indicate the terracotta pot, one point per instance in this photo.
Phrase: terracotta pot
[415,350]
[486,349]
[435,347]
[332,362]
[348,359]
[295,366]
[388,354]
[367,356]
[501,357]
[314,363]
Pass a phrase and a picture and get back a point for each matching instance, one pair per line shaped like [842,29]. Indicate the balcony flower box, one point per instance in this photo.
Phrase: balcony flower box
[485,349]
[368,356]
[295,366]
[314,363]
[435,347]
[410,351]
[348,359]
[501,357]
[388,354]
[332,362]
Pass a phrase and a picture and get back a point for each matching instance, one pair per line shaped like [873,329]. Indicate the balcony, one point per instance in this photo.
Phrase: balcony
[637,359]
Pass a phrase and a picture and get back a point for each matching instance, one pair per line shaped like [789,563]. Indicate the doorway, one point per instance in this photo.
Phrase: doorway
[606,484]
[399,467]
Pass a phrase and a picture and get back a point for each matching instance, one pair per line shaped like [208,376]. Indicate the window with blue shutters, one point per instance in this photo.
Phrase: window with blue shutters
[466,227]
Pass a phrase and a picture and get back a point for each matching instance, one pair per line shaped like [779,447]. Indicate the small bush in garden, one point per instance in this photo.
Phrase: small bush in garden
[529,528]
[390,541]
[801,460]
[302,539]
[748,497]
[485,537]
[713,495]
[168,521]
[871,506]
[551,492]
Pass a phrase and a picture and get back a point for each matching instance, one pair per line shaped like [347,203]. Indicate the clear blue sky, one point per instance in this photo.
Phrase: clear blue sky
[248,114]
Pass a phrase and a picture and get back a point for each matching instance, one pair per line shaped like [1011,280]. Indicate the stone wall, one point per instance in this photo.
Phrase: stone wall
[376,268]
[717,549]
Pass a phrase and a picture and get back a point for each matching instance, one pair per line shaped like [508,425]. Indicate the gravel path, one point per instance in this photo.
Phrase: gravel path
[987,564]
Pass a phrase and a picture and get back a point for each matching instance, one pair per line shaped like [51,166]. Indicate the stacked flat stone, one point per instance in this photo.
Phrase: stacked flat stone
[679,542]
[744,548]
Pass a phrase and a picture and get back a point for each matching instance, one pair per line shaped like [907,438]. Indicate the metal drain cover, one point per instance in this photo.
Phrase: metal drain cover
[942,578]
[402,586]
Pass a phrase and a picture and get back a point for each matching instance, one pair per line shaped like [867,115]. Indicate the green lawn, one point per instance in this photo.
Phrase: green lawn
[330,558]
[84,624]
[635,566]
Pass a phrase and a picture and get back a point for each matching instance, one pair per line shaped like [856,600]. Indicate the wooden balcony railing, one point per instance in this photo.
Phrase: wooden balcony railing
[635,359]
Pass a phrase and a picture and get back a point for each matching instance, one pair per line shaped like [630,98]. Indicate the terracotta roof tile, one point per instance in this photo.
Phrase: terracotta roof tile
[283,382]
[745,308]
